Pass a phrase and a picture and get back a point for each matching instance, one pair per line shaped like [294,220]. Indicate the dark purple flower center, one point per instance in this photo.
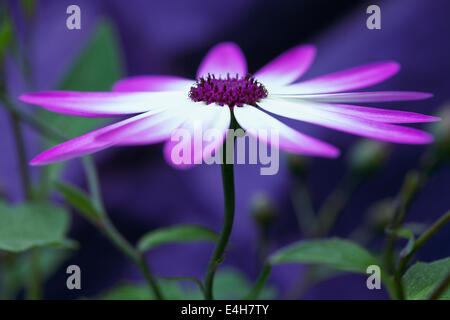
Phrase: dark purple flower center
[232,91]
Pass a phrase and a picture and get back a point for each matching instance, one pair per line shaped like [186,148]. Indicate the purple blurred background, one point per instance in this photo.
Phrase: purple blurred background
[170,37]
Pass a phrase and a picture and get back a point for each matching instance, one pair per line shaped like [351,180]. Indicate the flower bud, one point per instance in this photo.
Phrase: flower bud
[262,209]
[298,165]
[366,156]
[441,131]
[380,215]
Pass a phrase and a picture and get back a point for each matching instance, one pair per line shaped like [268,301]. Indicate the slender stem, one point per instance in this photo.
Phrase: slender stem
[129,251]
[422,239]
[414,182]
[440,289]
[260,283]
[34,287]
[112,233]
[229,197]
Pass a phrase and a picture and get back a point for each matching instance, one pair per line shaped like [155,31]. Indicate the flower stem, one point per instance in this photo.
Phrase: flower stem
[260,283]
[229,197]
[112,233]
[422,239]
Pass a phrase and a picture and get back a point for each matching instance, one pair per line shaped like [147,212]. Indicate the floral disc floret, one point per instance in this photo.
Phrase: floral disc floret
[231,91]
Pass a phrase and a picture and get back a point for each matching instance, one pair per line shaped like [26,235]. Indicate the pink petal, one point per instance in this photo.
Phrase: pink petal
[202,118]
[376,96]
[102,104]
[375,114]
[153,83]
[222,59]
[350,79]
[261,126]
[310,112]
[85,144]
[288,67]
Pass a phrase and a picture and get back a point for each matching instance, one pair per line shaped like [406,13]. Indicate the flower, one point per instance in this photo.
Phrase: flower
[223,86]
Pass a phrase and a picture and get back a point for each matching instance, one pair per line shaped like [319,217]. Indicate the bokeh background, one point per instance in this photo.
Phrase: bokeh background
[170,37]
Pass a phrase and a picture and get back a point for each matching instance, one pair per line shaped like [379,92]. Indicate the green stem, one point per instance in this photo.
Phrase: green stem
[260,283]
[34,287]
[229,197]
[112,233]
[21,157]
[440,289]
[414,182]
[422,239]
[131,253]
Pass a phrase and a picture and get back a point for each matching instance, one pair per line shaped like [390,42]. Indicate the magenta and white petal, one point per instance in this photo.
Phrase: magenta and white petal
[350,79]
[288,67]
[375,114]
[358,97]
[225,58]
[85,144]
[190,136]
[312,113]
[102,104]
[153,83]
[271,131]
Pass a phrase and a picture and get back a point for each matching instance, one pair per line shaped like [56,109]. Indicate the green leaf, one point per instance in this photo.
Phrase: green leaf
[15,269]
[228,284]
[33,225]
[170,290]
[337,253]
[180,233]
[231,283]
[78,199]
[422,278]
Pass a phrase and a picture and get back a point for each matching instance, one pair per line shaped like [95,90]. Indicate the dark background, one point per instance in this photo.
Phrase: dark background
[170,37]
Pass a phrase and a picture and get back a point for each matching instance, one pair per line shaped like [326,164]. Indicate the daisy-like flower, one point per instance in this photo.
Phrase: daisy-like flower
[162,104]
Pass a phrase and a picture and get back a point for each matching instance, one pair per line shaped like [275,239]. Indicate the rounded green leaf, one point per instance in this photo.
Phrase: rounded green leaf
[32,225]
[422,278]
[180,233]
[336,253]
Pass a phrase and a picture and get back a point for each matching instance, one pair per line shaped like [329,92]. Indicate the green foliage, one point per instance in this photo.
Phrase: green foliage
[229,284]
[33,225]
[180,233]
[422,278]
[337,253]
[15,269]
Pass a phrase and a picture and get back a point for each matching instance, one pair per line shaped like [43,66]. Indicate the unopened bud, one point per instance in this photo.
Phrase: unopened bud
[263,211]
[441,131]
[367,156]
[380,215]
[298,165]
